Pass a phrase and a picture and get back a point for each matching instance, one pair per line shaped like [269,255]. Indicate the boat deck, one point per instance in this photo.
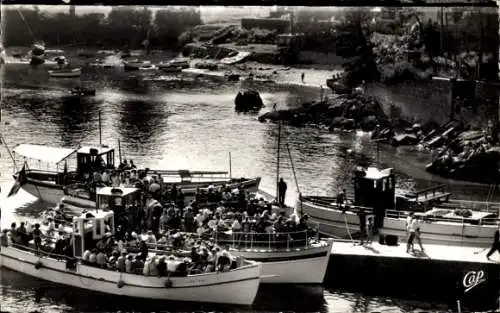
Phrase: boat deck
[431,252]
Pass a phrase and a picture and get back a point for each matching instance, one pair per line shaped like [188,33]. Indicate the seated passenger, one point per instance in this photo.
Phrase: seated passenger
[120,262]
[223,262]
[153,266]
[101,259]
[162,267]
[128,263]
[93,257]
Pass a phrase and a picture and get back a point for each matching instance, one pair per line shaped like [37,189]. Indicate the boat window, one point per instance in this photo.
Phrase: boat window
[98,227]
[76,230]
[375,184]
[383,184]
[118,201]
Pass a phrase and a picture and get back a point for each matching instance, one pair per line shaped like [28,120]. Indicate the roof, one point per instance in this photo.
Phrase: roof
[107,191]
[100,150]
[96,214]
[374,173]
[43,153]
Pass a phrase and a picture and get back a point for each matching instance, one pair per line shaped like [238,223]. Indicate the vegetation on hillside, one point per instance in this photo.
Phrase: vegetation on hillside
[122,27]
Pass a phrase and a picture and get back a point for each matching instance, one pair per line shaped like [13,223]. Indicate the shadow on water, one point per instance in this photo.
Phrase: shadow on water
[269,298]
[141,122]
[75,117]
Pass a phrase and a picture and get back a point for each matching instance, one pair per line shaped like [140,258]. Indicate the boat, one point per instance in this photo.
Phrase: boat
[66,73]
[89,227]
[67,172]
[287,257]
[136,65]
[37,53]
[444,221]
[169,67]
[180,62]
[239,57]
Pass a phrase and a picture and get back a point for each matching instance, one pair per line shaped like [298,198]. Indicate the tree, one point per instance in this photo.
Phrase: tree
[353,44]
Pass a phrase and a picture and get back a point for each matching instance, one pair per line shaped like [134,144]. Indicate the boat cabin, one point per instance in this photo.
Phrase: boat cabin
[375,189]
[91,158]
[111,203]
[90,227]
[88,159]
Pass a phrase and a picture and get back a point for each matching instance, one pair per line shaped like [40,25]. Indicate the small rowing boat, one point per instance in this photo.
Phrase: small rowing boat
[66,73]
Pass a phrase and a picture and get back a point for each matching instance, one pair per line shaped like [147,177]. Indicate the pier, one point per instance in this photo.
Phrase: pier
[442,272]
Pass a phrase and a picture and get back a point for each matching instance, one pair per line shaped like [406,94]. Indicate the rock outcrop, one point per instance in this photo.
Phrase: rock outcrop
[248,101]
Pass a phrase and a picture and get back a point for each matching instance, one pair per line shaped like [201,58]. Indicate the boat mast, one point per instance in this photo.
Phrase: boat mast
[278,160]
[100,130]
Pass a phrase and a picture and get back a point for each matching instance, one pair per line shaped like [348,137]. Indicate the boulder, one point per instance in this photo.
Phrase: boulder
[248,101]
[404,140]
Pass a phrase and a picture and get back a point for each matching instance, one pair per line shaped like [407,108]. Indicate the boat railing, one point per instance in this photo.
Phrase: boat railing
[274,240]
[332,203]
[460,220]
[194,176]
[429,193]
[41,252]
[493,207]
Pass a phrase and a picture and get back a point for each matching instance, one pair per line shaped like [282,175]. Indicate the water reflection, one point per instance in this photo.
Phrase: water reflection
[141,123]
[75,116]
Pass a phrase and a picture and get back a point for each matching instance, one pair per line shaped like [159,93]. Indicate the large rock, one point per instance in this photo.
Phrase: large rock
[248,101]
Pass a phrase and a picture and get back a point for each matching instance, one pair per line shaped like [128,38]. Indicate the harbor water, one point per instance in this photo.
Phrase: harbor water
[187,122]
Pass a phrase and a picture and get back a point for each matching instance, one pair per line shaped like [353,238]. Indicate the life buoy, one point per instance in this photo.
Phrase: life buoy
[120,283]
[168,283]
[38,264]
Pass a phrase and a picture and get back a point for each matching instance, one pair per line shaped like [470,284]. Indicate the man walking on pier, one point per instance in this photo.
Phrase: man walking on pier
[281,192]
[496,244]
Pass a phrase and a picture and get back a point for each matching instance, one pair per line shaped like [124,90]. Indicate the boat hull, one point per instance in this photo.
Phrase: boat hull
[301,266]
[210,288]
[52,194]
[64,74]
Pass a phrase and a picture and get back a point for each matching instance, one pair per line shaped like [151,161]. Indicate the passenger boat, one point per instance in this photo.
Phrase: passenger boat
[66,73]
[64,173]
[236,286]
[287,258]
[443,221]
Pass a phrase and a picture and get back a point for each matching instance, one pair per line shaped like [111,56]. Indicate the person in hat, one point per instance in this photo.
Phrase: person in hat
[162,267]
[281,192]
[37,237]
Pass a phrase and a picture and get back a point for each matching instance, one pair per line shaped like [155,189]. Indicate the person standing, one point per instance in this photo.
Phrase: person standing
[281,192]
[411,227]
[418,233]
[362,225]
[303,76]
[496,244]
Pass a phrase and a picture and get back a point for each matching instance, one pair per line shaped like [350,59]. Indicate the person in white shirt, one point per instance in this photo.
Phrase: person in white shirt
[412,226]
[416,226]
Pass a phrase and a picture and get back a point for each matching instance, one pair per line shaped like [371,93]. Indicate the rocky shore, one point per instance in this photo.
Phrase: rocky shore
[459,151]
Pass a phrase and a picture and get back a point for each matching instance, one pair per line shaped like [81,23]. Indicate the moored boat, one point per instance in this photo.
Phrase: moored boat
[442,221]
[72,269]
[169,67]
[67,174]
[136,65]
[66,73]
[287,257]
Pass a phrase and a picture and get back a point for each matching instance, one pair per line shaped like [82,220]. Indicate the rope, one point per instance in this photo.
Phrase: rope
[348,230]
[27,24]
[8,150]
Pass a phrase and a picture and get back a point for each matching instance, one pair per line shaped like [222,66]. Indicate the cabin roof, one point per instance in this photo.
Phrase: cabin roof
[107,191]
[374,173]
[43,153]
[97,214]
[100,150]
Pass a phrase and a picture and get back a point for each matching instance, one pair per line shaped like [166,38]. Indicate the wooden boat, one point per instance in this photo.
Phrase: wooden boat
[287,258]
[181,62]
[51,185]
[442,220]
[136,65]
[169,67]
[88,228]
[66,73]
